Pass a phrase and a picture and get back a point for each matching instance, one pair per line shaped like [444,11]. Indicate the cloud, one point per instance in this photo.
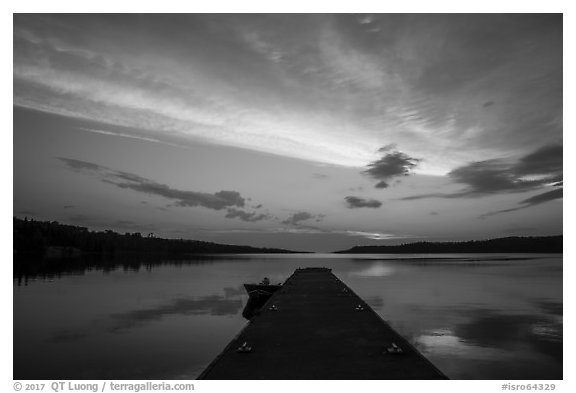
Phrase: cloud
[411,77]
[538,169]
[545,197]
[376,235]
[246,216]
[297,218]
[532,201]
[309,230]
[169,102]
[216,201]
[534,170]
[357,202]
[490,176]
[391,165]
[80,165]
[127,135]
[544,161]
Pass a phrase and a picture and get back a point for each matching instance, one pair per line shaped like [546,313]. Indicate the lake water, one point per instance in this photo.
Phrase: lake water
[475,316]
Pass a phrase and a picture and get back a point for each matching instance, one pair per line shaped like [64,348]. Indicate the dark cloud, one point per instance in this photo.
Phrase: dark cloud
[487,104]
[540,168]
[544,161]
[545,197]
[68,206]
[217,201]
[81,165]
[246,216]
[296,218]
[357,202]
[532,201]
[391,165]
[320,176]
[543,166]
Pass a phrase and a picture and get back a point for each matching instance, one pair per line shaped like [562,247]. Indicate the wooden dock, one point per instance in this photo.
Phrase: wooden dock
[316,327]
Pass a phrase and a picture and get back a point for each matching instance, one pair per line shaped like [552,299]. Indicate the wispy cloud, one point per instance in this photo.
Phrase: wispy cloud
[225,199]
[532,201]
[93,85]
[300,85]
[378,235]
[126,135]
[309,230]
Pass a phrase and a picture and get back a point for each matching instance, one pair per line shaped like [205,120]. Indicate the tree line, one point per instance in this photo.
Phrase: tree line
[514,244]
[32,238]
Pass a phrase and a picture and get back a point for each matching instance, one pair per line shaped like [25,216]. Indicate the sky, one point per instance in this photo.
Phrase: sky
[309,132]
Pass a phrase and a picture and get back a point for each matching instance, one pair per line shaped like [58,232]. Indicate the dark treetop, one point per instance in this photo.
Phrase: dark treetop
[539,244]
[52,239]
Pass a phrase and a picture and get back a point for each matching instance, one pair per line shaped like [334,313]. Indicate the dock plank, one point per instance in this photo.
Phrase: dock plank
[318,333]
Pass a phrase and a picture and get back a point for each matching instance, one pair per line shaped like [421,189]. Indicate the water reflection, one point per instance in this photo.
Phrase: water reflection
[212,305]
[376,269]
[29,270]
[479,317]
[445,342]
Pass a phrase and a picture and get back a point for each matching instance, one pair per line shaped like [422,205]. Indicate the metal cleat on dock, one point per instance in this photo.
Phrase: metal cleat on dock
[244,348]
[394,349]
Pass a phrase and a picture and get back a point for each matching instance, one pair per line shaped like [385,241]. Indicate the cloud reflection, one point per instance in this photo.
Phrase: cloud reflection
[207,305]
[510,332]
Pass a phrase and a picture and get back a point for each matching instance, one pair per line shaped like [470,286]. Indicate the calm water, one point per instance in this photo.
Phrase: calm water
[474,316]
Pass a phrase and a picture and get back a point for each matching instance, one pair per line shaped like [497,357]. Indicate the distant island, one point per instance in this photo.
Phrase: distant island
[51,239]
[536,244]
